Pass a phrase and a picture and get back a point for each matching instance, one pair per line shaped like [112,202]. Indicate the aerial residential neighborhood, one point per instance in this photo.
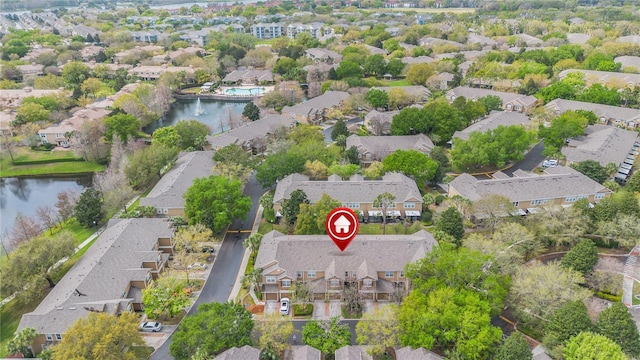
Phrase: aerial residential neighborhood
[297,180]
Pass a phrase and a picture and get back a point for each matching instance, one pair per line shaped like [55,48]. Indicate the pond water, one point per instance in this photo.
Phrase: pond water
[218,115]
[26,194]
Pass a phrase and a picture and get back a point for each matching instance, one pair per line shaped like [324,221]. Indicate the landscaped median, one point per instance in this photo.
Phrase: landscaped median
[28,162]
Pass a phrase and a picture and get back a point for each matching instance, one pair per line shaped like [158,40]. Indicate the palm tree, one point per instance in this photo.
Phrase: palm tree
[252,242]
[252,277]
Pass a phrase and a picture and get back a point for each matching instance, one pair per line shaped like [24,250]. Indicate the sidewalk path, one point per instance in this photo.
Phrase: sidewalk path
[631,275]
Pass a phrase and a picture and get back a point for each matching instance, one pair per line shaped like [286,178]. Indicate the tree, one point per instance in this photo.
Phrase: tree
[568,321]
[588,345]
[291,206]
[582,257]
[616,323]
[395,67]
[88,210]
[349,69]
[514,348]
[165,295]
[277,166]
[450,222]
[592,169]
[301,292]
[564,127]
[101,336]
[21,342]
[412,163]
[494,147]
[31,112]
[377,98]
[311,218]
[418,74]
[215,201]
[379,329]
[30,264]
[384,201]
[251,111]
[449,318]
[375,65]
[91,87]
[123,125]
[439,155]
[340,128]
[66,204]
[192,134]
[539,290]
[167,136]
[326,336]
[8,143]
[274,332]
[252,243]
[187,243]
[233,161]
[147,164]
[411,121]
[74,73]
[46,215]
[345,171]
[214,328]
[24,228]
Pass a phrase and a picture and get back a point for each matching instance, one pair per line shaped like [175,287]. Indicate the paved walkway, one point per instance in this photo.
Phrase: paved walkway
[631,275]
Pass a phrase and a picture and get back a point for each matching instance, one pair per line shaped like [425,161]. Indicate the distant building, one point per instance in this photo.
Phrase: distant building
[492,121]
[607,114]
[167,195]
[510,101]
[313,111]
[248,77]
[603,77]
[376,148]
[268,31]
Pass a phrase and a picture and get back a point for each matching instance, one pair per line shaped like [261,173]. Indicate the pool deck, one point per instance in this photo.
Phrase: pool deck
[220,93]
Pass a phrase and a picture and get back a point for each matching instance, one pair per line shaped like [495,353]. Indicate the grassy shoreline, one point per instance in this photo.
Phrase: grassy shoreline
[62,163]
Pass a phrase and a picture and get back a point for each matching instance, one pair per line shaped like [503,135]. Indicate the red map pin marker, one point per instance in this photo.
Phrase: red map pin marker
[342,226]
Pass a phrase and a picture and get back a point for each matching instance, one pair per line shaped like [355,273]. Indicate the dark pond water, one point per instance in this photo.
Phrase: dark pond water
[26,194]
[218,115]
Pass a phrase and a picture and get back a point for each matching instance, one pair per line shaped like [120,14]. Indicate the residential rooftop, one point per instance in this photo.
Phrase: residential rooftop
[602,143]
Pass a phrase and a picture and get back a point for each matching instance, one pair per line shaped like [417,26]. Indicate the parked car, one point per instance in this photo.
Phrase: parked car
[197,266]
[550,163]
[285,306]
[151,326]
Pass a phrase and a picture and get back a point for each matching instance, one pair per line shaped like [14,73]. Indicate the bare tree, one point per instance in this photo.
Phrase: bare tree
[89,141]
[352,298]
[46,215]
[66,204]
[8,144]
[24,228]
[384,201]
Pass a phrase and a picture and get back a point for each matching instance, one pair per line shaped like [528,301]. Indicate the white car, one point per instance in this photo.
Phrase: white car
[284,306]
[550,163]
[197,266]
[151,326]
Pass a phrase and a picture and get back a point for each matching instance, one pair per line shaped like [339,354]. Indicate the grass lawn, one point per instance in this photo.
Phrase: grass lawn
[7,169]
[399,82]
[10,315]
[636,292]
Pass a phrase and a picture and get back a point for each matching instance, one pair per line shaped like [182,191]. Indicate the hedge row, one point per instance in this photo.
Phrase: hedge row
[610,297]
[44,161]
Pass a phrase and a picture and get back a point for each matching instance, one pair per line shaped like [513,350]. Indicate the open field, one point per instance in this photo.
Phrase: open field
[429,10]
[8,169]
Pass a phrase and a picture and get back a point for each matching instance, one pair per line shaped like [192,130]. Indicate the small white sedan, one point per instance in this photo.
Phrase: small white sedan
[197,266]
[285,306]
[151,326]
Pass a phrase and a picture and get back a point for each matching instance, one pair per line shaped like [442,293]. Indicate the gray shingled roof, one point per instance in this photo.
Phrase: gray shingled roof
[244,353]
[562,183]
[352,352]
[476,93]
[261,75]
[412,90]
[250,131]
[169,190]
[354,190]
[101,275]
[407,353]
[602,143]
[628,61]
[324,101]
[293,253]
[305,352]
[604,76]
[607,111]
[388,144]
[491,122]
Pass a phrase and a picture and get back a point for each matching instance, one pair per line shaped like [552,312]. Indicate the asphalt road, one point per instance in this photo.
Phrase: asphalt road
[327,132]
[222,276]
[531,160]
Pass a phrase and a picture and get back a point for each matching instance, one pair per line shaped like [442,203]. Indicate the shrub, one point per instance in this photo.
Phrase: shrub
[610,297]
[439,199]
[427,216]
[302,309]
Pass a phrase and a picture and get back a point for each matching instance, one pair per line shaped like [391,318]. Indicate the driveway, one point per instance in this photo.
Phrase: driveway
[531,160]
[224,270]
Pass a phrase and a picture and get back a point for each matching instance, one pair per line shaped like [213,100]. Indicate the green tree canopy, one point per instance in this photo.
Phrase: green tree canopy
[570,320]
[101,336]
[617,324]
[375,65]
[311,219]
[278,165]
[167,135]
[564,127]
[192,134]
[215,201]
[588,345]
[326,336]
[418,74]
[291,206]
[592,169]
[124,125]
[450,222]
[214,328]
[379,329]
[145,165]
[166,295]
[88,210]
[582,257]
[514,348]
[31,112]
[412,163]
[377,98]
[340,128]
[251,111]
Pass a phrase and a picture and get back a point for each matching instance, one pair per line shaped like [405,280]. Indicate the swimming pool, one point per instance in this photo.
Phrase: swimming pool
[244,91]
